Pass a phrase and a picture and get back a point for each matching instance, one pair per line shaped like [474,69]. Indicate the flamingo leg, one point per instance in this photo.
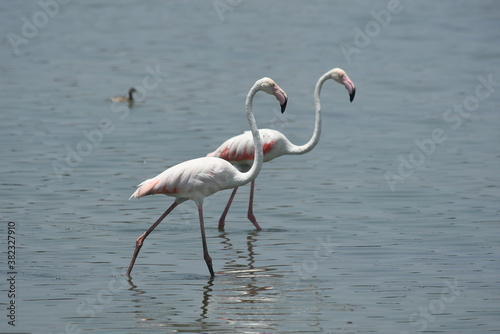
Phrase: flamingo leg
[206,256]
[250,215]
[222,220]
[140,240]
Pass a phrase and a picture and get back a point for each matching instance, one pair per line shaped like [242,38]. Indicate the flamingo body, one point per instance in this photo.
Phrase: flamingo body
[239,150]
[193,179]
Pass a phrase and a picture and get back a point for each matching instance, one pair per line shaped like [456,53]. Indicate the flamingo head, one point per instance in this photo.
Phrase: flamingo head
[270,87]
[341,77]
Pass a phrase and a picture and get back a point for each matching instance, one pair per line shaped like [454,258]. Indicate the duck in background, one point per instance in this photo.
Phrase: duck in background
[121,98]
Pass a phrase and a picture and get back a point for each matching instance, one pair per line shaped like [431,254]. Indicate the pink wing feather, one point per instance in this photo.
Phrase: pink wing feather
[240,149]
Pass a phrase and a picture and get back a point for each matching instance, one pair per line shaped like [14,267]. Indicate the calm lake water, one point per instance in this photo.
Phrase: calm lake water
[390,225]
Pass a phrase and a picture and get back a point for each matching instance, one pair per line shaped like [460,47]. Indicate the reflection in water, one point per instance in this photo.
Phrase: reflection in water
[249,256]
[242,295]
[207,293]
[142,304]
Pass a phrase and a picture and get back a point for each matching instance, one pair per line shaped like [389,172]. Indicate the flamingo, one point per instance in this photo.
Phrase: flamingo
[239,151]
[198,178]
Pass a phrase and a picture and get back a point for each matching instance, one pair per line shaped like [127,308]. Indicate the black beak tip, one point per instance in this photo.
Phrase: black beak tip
[351,96]
[283,106]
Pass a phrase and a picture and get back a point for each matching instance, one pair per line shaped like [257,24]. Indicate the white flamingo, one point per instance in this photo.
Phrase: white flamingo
[239,150]
[198,178]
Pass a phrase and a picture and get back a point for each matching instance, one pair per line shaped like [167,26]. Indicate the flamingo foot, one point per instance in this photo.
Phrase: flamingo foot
[251,217]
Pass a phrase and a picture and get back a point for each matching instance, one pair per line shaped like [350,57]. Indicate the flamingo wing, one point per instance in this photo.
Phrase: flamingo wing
[190,179]
[240,149]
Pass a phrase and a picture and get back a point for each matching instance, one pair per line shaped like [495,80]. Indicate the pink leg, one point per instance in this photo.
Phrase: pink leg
[206,256]
[250,215]
[222,220]
[140,240]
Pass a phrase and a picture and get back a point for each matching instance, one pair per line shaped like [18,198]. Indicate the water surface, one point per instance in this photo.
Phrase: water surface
[354,239]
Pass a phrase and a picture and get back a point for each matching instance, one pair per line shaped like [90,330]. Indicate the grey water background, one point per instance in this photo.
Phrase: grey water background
[368,233]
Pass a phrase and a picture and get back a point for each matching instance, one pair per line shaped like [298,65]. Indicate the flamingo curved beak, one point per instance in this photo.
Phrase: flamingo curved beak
[281,97]
[349,85]
[351,94]
[283,106]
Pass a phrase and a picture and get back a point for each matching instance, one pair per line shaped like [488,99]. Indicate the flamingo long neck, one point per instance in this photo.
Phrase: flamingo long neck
[259,155]
[294,149]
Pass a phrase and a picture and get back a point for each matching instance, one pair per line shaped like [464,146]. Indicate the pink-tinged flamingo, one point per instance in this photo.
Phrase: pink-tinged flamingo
[239,149]
[198,178]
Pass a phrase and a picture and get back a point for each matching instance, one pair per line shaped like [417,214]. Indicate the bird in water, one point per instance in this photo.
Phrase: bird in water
[121,98]
[239,151]
[198,178]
